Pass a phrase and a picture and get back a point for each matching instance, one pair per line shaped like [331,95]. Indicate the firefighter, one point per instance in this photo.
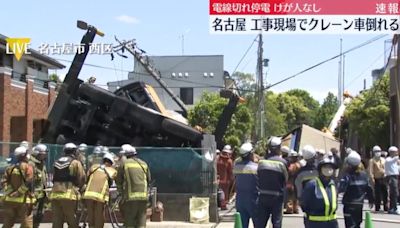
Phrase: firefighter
[245,171]
[319,197]
[133,176]
[68,180]
[224,170]
[355,186]
[100,178]
[38,161]
[272,175]
[82,148]
[17,183]
[96,157]
[307,171]
[291,205]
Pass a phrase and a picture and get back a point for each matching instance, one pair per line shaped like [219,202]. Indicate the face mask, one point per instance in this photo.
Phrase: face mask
[327,171]
[377,154]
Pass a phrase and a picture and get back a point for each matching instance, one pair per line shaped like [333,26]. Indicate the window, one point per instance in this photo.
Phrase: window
[186,95]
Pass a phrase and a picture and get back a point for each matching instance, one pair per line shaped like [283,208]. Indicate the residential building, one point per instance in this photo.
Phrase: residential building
[26,93]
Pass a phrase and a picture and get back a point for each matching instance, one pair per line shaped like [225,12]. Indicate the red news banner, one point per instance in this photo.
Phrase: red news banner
[304,16]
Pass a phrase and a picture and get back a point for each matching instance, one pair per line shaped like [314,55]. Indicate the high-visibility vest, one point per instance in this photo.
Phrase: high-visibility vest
[328,215]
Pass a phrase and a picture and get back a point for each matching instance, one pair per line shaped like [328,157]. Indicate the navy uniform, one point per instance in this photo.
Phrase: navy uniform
[319,198]
[272,175]
[308,171]
[355,186]
[245,172]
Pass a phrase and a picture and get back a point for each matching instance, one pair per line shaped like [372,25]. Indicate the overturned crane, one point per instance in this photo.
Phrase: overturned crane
[86,113]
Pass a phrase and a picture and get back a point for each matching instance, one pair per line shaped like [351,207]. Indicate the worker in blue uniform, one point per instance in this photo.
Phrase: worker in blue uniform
[319,197]
[272,177]
[355,186]
[245,172]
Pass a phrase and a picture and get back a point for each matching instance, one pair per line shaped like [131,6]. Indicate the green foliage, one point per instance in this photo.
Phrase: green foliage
[368,115]
[206,113]
[326,112]
[245,82]
[54,78]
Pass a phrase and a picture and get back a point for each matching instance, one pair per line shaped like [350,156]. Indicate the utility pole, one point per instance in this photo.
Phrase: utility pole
[260,90]
[343,74]
[340,92]
[183,44]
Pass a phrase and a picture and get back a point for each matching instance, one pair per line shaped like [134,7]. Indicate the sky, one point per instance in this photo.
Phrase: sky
[158,27]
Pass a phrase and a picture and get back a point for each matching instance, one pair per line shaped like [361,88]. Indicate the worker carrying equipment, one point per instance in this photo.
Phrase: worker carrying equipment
[17,183]
[68,180]
[100,179]
[319,197]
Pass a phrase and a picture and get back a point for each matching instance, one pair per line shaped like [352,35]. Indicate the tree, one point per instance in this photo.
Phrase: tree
[367,116]
[206,112]
[55,78]
[293,110]
[326,112]
[245,82]
[309,102]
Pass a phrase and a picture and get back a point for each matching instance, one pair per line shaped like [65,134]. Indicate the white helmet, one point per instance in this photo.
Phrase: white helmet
[24,144]
[227,149]
[82,147]
[393,149]
[69,148]
[105,150]
[274,141]
[308,152]
[376,149]
[348,150]
[109,157]
[20,151]
[353,159]
[97,149]
[293,153]
[39,149]
[125,148]
[245,149]
[131,151]
[285,150]
[217,151]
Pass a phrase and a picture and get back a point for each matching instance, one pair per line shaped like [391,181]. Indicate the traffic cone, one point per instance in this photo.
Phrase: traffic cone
[368,221]
[238,220]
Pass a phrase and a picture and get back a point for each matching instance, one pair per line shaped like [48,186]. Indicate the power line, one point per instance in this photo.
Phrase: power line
[366,69]
[394,40]
[328,60]
[244,55]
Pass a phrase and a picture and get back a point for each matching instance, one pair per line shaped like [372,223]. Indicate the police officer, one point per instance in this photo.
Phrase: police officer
[68,179]
[38,160]
[100,179]
[17,182]
[272,175]
[132,181]
[245,171]
[355,187]
[319,197]
[308,171]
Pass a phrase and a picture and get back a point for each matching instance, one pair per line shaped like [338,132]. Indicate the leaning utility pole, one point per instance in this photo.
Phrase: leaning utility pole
[138,53]
[260,91]
[340,84]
